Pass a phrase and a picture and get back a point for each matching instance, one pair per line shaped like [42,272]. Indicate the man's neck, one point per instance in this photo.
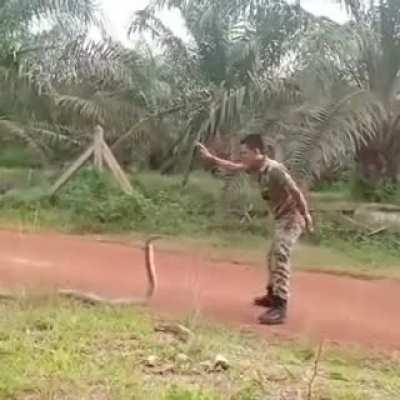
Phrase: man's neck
[260,164]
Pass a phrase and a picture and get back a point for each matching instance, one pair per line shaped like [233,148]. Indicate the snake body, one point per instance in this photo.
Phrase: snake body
[93,298]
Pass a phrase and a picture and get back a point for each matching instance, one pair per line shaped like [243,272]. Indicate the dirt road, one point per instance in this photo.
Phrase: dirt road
[335,308]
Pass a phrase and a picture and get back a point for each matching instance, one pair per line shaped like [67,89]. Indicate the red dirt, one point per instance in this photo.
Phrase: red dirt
[339,309]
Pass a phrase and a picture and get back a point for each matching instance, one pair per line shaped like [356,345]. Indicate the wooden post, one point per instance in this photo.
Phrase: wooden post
[101,153]
[98,147]
[71,171]
[116,170]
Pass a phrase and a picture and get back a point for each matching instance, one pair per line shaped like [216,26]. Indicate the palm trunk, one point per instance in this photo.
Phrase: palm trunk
[378,165]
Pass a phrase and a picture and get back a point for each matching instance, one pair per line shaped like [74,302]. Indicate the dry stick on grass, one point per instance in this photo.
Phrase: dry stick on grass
[315,372]
[379,230]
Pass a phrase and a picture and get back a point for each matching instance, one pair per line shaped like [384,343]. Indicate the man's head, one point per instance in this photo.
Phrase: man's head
[252,151]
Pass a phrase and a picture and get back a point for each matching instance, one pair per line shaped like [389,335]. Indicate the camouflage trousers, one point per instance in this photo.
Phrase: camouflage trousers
[288,229]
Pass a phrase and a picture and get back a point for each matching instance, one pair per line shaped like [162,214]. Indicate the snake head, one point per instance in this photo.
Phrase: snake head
[153,238]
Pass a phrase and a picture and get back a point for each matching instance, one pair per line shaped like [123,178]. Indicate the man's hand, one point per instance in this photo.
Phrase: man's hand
[309,222]
[204,152]
[225,164]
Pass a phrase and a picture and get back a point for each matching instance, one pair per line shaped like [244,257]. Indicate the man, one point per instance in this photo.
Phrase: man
[290,213]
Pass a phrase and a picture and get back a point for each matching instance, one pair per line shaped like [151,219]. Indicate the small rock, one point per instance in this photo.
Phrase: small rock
[206,365]
[294,394]
[180,331]
[221,362]
[182,358]
[151,361]
[165,369]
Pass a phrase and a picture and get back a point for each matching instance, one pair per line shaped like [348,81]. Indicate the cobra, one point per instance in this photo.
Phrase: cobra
[93,298]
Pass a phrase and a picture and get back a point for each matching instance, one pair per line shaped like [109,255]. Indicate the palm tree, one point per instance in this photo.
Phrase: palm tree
[227,38]
[366,53]
[22,81]
[230,41]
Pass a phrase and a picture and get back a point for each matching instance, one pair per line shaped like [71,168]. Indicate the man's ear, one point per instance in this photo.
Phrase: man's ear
[270,151]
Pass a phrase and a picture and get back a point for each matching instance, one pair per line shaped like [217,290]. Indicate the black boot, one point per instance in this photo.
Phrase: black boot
[266,300]
[276,314]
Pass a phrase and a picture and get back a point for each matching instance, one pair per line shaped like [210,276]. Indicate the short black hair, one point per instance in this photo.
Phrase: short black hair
[254,142]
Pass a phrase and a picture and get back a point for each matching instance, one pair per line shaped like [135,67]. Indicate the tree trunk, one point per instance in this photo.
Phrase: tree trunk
[378,165]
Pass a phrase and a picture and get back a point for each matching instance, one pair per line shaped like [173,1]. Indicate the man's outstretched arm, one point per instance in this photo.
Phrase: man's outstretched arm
[225,164]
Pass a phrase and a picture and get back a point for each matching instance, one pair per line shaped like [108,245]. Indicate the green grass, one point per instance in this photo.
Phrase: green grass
[12,156]
[94,204]
[56,349]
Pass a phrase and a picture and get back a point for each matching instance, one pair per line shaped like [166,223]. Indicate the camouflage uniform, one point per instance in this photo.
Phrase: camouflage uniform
[278,187]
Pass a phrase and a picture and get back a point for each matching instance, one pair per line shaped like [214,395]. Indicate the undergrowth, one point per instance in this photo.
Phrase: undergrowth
[92,202]
[18,157]
[377,250]
[387,192]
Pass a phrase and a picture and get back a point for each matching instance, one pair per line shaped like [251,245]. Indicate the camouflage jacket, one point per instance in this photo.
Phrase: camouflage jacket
[279,188]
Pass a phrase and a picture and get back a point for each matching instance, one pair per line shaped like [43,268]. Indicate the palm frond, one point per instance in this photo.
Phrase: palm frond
[355,8]
[176,55]
[89,110]
[146,20]
[15,130]
[332,130]
[267,91]
[55,133]
[224,110]
[85,11]
[136,132]
[105,62]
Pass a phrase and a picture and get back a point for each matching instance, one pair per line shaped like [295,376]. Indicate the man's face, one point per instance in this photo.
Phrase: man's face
[248,156]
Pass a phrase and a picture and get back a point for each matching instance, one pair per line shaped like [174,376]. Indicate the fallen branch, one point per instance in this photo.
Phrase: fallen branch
[355,223]
[376,231]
